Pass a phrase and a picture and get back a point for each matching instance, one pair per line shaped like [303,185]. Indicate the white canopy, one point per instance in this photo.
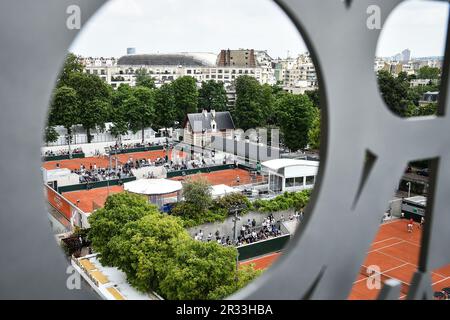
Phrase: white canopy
[222,189]
[289,168]
[153,186]
[277,164]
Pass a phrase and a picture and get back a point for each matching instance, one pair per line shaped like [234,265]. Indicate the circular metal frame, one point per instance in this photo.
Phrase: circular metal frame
[324,257]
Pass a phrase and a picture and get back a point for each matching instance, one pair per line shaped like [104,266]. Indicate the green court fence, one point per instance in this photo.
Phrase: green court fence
[63,157]
[94,185]
[138,149]
[179,173]
[263,247]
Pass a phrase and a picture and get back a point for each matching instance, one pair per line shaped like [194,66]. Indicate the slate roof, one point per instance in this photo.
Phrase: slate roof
[201,122]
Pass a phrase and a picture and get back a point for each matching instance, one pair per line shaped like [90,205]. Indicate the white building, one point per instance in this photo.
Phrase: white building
[290,174]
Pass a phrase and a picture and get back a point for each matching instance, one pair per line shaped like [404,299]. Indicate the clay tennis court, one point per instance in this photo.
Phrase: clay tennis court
[74,164]
[227,177]
[91,198]
[394,251]
[103,161]
[153,155]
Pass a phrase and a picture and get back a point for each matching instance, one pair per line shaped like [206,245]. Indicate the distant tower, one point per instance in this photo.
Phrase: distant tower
[131,50]
[406,55]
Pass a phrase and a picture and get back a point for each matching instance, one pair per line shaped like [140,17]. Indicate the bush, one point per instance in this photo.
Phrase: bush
[286,201]
[232,200]
[190,217]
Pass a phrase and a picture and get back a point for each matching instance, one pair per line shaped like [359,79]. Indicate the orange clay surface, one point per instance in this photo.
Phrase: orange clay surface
[74,164]
[394,251]
[227,177]
[89,197]
[98,196]
[103,161]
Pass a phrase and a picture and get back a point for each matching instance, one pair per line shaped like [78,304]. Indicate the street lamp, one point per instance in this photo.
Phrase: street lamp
[409,188]
[236,218]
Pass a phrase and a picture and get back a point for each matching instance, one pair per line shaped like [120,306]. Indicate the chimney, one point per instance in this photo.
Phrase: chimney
[205,113]
[213,113]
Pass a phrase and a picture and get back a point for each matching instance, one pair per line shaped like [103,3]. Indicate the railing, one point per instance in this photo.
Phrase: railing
[63,157]
[94,185]
[262,247]
[179,173]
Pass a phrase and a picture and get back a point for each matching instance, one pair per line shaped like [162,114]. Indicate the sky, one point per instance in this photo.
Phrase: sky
[169,26]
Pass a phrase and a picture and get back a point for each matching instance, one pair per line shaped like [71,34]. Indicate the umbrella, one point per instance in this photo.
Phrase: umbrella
[446,290]
[439,295]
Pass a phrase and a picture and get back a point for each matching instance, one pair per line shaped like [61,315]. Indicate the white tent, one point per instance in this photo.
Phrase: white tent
[154,189]
[153,186]
[221,190]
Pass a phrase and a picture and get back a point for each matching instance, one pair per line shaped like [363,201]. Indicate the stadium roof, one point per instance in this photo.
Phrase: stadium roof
[177,59]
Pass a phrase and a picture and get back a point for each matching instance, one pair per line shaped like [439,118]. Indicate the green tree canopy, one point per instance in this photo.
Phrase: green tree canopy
[295,114]
[72,64]
[252,103]
[157,253]
[197,194]
[314,131]
[50,134]
[427,72]
[64,108]
[94,96]
[212,96]
[186,96]
[143,79]
[165,107]
[140,109]
[394,91]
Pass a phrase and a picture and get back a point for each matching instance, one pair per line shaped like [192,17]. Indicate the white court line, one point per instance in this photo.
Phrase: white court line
[390,245]
[384,273]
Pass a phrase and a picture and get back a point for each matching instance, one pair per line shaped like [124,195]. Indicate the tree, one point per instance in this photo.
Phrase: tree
[314,96]
[197,194]
[64,109]
[212,96]
[253,103]
[140,109]
[107,222]
[295,114]
[94,96]
[72,64]
[50,134]
[165,108]
[186,96]
[427,72]
[157,253]
[198,270]
[144,248]
[394,91]
[314,131]
[143,79]
[118,112]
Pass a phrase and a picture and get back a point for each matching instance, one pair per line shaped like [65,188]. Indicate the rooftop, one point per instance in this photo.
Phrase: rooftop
[176,59]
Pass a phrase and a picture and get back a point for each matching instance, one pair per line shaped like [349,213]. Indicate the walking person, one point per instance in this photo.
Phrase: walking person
[410,225]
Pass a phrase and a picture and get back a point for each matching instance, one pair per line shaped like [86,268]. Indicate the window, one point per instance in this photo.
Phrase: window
[299,182]
[290,182]
[309,180]
[189,71]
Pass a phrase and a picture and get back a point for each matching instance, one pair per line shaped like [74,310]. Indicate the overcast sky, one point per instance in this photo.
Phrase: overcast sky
[168,26]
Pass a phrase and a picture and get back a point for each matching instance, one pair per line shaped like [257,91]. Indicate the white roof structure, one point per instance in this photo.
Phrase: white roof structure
[292,167]
[221,190]
[153,186]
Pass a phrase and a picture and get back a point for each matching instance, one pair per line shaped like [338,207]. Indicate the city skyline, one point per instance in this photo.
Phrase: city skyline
[198,26]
